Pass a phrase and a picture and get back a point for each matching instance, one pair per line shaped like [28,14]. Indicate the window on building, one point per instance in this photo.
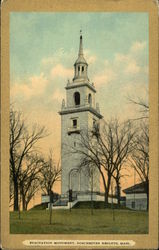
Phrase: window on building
[74,123]
[78,70]
[74,144]
[82,68]
[77,98]
[90,99]
[133,204]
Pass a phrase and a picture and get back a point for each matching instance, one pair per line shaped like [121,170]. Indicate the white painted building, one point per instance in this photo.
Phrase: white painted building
[136,197]
[78,113]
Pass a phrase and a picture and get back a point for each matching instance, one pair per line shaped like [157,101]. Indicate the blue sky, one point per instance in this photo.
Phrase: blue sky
[44,47]
[37,35]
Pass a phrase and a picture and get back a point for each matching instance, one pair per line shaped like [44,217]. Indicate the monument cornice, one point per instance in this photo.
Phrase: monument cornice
[72,86]
[80,109]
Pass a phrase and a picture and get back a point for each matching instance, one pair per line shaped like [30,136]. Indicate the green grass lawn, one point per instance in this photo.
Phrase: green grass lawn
[80,221]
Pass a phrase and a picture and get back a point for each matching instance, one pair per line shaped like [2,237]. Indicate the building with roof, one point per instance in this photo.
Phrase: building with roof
[79,112]
[136,197]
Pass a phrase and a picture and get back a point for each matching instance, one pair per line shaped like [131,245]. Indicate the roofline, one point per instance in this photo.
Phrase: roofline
[81,85]
[134,192]
[78,110]
[76,62]
[129,189]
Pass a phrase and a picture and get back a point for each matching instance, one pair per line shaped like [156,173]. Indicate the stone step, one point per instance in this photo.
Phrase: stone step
[61,202]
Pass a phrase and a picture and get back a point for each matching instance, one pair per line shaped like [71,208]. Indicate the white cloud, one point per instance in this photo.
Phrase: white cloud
[130,63]
[111,75]
[132,68]
[122,65]
[138,46]
[59,56]
[90,58]
[60,64]
[121,58]
[55,58]
[104,77]
[34,87]
[60,71]
[58,95]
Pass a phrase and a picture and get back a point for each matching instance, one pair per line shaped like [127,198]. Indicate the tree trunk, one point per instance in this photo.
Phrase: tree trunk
[24,203]
[108,184]
[106,198]
[105,190]
[26,206]
[16,203]
[118,191]
[23,197]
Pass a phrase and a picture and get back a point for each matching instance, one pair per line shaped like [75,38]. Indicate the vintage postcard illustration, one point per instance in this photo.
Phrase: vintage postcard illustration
[79,129]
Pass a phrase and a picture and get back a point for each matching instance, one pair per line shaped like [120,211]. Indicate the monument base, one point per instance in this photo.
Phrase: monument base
[63,201]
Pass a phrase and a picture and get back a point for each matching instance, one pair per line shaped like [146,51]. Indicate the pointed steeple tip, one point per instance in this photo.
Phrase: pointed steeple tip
[81,45]
[80,53]
[80,34]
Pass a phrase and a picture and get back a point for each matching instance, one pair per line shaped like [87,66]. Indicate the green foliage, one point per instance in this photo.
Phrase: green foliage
[80,221]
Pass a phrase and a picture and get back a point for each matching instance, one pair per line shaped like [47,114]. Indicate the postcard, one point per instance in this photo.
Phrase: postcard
[79,124]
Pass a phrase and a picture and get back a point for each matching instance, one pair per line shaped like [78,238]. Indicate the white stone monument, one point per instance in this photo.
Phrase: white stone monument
[79,112]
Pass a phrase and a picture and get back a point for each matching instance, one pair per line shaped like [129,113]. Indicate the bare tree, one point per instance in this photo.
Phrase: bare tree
[50,173]
[115,144]
[140,154]
[124,135]
[106,149]
[29,178]
[16,134]
[140,157]
[143,107]
[87,148]
[22,143]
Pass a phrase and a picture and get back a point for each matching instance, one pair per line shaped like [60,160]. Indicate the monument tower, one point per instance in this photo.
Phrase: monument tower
[78,113]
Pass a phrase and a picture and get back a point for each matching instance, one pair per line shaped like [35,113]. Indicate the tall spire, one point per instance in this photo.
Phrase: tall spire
[80,58]
[80,65]
[81,45]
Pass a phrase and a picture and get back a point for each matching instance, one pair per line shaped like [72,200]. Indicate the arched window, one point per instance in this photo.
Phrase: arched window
[90,99]
[77,98]
[78,70]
